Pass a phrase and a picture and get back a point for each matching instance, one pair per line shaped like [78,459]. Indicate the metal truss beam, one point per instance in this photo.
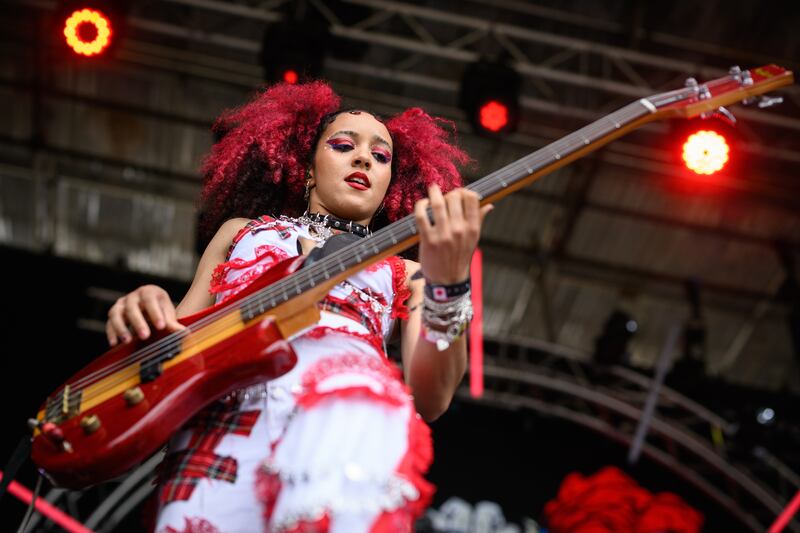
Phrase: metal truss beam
[633,87]
[551,380]
[724,298]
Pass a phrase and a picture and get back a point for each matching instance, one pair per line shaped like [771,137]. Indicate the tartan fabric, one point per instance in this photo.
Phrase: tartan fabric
[179,472]
[211,424]
[188,467]
[354,307]
[261,223]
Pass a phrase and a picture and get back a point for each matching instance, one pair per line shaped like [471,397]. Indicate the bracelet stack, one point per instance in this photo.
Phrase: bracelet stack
[446,312]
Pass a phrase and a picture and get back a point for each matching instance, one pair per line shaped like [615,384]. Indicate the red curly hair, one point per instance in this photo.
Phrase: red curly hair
[265,147]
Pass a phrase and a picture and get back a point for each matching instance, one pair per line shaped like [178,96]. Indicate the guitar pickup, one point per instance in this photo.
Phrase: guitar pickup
[153,367]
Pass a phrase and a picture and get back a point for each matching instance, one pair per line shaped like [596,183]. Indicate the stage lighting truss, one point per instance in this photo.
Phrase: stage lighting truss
[684,437]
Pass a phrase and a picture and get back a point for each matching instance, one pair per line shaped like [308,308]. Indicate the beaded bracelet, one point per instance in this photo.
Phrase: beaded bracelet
[444,322]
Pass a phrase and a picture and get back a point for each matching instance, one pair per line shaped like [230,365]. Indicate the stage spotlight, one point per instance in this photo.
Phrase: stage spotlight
[293,50]
[765,416]
[705,152]
[290,76]
[493,115]
[611,347]
[489,95]
[88,32]
[90,28]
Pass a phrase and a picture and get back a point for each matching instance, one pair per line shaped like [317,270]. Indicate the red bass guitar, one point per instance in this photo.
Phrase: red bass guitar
[122,408]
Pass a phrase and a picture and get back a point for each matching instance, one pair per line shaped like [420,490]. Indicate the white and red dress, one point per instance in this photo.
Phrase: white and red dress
[333,445]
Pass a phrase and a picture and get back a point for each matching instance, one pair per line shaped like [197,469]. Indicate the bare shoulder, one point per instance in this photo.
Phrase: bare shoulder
[226,233]
[232,226]
[198,297]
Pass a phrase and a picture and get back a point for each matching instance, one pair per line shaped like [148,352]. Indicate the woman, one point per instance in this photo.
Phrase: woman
[335,444]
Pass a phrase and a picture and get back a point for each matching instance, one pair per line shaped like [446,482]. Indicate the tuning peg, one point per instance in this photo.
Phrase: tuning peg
[721,113]
[769,101]
[742,76]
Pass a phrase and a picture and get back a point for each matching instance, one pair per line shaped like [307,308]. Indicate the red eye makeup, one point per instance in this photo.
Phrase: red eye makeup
[340,142]
[384,156]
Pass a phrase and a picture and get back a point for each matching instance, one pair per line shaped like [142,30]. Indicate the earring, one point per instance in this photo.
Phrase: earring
[309,186]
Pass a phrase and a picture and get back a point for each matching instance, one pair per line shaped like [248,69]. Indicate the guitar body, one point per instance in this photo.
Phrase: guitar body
[129,433]
[127,403]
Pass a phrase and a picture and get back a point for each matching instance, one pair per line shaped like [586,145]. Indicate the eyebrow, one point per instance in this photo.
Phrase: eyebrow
[375,138]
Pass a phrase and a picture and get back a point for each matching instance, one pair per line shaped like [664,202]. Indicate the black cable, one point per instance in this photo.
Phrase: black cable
[21,453]
[31,507]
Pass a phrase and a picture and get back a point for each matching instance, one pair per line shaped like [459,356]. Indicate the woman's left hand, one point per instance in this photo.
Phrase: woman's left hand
[446,246]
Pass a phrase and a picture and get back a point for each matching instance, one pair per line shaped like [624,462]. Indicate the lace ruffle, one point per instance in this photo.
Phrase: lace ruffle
[402,292]
[384,378]
[395,495]
[266,256]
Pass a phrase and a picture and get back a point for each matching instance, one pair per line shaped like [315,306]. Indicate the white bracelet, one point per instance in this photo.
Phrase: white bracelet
[453,315]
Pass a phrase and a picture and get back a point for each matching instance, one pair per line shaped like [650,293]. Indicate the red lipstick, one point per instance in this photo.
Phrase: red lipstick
[358,180]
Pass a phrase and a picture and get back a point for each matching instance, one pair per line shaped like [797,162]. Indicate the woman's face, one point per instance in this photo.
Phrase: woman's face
[352,167]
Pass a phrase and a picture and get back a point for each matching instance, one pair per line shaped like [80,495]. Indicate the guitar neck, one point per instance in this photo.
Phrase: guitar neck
[317,279]
[402,234]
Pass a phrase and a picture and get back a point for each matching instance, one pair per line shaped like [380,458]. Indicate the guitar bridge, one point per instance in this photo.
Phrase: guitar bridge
[64,405]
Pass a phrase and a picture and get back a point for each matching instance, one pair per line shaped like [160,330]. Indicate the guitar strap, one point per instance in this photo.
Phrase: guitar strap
[332,245]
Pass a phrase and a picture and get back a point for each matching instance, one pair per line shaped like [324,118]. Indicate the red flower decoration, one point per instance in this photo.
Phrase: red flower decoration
[611,502]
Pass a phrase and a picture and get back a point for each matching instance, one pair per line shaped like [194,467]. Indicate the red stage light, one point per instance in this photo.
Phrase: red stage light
[290,76]
[705,152]
[493,115]
[88,32]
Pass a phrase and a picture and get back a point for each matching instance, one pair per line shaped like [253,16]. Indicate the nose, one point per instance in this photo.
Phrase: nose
[361,158]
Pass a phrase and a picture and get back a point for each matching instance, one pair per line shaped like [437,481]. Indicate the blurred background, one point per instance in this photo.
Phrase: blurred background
[586,272]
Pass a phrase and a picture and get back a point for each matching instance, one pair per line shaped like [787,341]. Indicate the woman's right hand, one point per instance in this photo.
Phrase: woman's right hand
[136,312]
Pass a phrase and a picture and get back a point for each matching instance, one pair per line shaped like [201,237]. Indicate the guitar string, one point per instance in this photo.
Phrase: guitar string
[261,296]
[527,163]
[154,351]
[562,147]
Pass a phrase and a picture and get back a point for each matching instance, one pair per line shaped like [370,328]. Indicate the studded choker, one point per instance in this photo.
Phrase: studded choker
[330,221]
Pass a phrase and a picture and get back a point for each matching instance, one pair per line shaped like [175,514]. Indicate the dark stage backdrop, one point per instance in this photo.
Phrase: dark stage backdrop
[514,458]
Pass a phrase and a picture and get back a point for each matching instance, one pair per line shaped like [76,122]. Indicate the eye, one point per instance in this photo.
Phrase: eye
[381,156]
[340,145]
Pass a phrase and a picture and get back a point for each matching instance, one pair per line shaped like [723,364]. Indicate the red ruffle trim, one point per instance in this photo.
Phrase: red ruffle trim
[402,292]
[321,331]
[266,256]
[374,267]
[413,466]
[392,389]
